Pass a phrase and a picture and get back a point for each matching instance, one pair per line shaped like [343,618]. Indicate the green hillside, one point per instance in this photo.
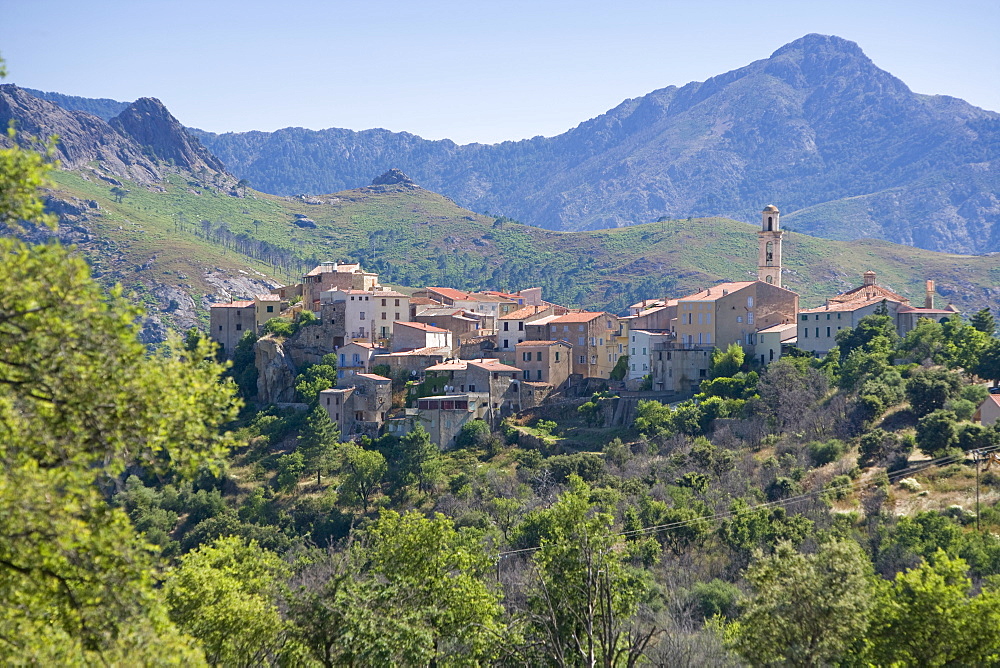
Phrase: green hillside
[411,236]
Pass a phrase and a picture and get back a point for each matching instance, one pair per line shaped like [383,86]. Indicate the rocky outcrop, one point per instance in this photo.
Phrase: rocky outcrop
[83,138]
[148,123]
[275,372]
[392,177]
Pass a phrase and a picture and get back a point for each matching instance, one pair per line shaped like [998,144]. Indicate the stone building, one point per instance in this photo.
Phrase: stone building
[593,335]
[545,362]
[334,276]
[229,322]
[360,407]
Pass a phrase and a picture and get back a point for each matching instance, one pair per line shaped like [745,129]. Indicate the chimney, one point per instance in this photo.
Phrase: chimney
[929,298]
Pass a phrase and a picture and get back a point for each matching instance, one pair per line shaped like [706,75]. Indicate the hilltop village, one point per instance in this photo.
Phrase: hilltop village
[486,355]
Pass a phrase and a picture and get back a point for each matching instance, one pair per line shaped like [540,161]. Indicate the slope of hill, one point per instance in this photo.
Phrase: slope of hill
[104,108]
[816,127]
[415,237]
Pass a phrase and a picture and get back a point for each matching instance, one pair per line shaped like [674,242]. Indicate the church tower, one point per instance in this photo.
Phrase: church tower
[769,239]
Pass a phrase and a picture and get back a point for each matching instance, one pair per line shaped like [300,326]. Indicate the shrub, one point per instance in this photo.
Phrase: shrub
[823,453]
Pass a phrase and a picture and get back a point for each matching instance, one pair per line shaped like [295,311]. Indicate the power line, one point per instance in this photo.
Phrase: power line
[858,484]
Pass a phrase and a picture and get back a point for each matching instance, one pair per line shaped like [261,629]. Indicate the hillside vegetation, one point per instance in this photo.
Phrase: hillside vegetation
[414,237]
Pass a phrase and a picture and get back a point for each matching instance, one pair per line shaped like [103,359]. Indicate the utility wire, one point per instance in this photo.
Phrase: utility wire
[858,484]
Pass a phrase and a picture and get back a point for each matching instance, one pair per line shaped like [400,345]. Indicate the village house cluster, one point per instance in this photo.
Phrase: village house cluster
[485,355]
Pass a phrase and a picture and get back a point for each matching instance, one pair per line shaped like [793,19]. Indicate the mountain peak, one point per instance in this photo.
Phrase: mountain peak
[392,177]
[151,125]
[817,44]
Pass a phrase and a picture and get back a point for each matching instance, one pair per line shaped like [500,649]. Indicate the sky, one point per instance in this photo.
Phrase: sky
[470,71]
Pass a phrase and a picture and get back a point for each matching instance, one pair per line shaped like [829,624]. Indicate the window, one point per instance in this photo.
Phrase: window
[703,373]
[526,357]
[593,341]
[506,326]
[538,356]
[804,318]
[749,302]
[238,327]
[708,318]
[472,388]
[538,374]
[750,318]
[506,343]
[220,328]
[362,315]
[581,328]
[384,317]
[593,359]
[700,319]
[806,332]
[520,326]
[383,302]
[739,318]
[579,340]
[397,316]
[828,331]
[526,374]
[270,308]
[557,355]
[817,332]
[633,350]
[583,359]
[827,316]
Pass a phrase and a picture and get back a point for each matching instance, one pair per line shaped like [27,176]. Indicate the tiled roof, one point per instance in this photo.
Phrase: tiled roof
[372,376]
[544,320]
[580,316]
[339,268]
[428,350]
[717,291]
[867,293]
[421,301]
[419,325]
[848,306]
[450,293]
[233,304]
[543,343]
[485,297]
[268,297]
[523,312]
[494,365]
[936,311]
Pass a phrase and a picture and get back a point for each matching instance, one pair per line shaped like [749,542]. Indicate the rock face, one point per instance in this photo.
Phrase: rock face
[149,124]
[276,372]
[392,177]
[82,138]
[843,147]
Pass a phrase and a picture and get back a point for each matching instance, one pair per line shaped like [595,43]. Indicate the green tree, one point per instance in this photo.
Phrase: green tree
[928,389]
[984,321]
[224,594]
[318,441]
[291,468]
[316,378]
[727,363]
[365,470]
[419,460]
[988,365]
[928,618]
[584,597]
[80,399]
[874,334]
[805,609]
[937,432]
[621,369]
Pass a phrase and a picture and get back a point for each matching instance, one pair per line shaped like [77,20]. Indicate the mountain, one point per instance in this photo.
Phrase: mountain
[103,108]
[130,145]
[845,148]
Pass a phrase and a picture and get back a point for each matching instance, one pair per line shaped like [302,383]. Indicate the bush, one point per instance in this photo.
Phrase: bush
[823,453]
[937,432]
[715,598]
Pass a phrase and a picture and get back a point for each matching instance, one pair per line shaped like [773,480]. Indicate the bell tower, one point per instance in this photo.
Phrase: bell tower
[769,240]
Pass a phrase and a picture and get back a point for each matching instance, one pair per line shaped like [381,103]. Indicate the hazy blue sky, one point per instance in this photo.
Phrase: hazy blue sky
[470,71]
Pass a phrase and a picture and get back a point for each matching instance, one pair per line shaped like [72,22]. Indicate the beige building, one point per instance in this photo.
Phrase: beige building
[228,323]
[988,412]
[355,357]
[511,328]
[545,362]
[360,407]
[733,313]
[441,416]
[334,276]
[415,335]
[593,335]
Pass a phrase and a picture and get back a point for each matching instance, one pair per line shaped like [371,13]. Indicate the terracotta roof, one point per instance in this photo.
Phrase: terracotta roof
[716,291]
[420,301]
[780,327]
[868,293]
[434,311]
[387,293]
[833,307]
[233,304]
[267,297]
[770,208]
[543,343]
[450,293]
[995,398]
[523,312]
[494,365]
[449,365]
[936,311]
[420,325]
[360,343]
[428,350]
[373,376]
[580,316]
[544,320]
[485,297]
